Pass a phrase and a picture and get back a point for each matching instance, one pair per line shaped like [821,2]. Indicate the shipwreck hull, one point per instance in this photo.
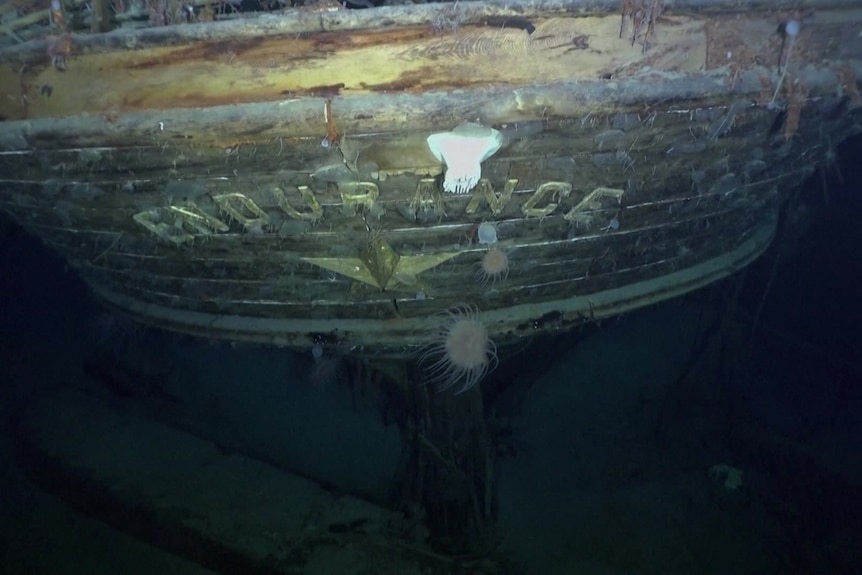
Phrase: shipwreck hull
[270,179]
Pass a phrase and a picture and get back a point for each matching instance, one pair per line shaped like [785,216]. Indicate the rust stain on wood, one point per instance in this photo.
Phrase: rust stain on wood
[417,81]
[197,52]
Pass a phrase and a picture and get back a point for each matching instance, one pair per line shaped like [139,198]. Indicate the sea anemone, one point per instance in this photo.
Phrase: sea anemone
[459,349]
[494,266]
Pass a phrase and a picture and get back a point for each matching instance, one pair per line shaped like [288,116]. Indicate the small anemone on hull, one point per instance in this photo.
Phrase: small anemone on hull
[493,267]
[459,349]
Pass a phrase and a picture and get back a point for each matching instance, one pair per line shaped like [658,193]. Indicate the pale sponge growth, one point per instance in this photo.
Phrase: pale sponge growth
[459,349]
[463,150]
[487,233]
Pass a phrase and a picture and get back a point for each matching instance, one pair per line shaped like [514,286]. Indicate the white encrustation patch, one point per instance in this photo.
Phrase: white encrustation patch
[487,233]
[463,150]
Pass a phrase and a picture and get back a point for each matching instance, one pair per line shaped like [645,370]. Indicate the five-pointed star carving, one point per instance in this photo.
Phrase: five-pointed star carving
[360,269]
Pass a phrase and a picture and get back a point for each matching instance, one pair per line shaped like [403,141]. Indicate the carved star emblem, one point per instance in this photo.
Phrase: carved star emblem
[381,266]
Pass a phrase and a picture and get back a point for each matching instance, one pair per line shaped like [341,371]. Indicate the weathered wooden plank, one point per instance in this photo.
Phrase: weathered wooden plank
[127,75]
